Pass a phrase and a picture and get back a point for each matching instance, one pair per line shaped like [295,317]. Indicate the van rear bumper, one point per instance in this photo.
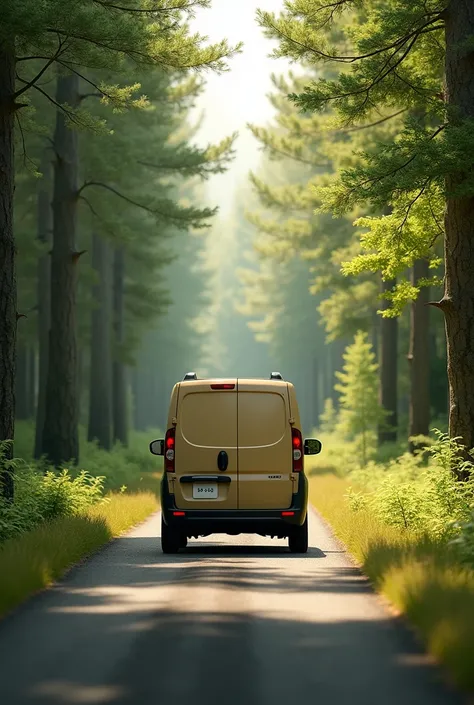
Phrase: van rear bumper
[269,522]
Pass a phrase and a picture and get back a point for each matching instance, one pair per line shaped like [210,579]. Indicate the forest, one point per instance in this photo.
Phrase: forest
[346,261]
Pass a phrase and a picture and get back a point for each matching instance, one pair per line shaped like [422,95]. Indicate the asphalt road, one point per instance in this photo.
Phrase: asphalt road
[239,621]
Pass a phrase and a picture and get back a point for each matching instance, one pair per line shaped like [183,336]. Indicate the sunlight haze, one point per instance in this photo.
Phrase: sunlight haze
[233,99]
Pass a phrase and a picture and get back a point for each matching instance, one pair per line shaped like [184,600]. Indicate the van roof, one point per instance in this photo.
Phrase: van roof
[192,376]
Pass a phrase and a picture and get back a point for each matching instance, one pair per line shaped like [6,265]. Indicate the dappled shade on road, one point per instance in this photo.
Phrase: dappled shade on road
[219,623]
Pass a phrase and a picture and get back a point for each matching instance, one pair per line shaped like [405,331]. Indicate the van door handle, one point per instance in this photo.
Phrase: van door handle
[222,460]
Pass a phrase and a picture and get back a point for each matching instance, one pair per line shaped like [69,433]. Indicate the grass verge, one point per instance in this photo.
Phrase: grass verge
[420,577]
[39,557]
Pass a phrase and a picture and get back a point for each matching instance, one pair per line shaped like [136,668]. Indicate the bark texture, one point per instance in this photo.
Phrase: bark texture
[388,366]
[43,295]
[419,357]
[100,400]
[60,432]
[458,299]
[8,312]
[119,372]
[25,381]
[31,400]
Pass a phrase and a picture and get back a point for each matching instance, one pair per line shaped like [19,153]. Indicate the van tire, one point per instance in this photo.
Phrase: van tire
[170,540]
[298,539]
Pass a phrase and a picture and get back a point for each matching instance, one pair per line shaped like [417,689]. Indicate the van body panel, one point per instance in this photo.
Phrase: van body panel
[206,425]
[264,445]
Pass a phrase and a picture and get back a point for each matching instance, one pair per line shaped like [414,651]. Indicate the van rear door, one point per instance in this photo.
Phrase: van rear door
[264,443]
[206,442]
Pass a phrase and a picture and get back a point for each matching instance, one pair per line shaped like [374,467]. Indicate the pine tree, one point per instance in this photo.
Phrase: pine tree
[358,386]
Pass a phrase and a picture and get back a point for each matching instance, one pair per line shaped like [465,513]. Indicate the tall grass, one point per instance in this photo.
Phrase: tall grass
[422,576]
[37,558]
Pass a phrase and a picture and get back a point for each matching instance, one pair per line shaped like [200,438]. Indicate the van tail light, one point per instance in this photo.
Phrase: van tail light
[297,442]
[223,386]
[170,449]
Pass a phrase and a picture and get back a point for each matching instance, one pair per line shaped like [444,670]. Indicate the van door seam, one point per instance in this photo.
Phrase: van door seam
[238,452]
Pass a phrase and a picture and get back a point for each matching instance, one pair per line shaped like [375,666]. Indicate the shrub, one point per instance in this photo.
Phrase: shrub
[40,497]
[423,497]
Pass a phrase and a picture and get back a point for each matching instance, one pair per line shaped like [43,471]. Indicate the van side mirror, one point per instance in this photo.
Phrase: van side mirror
[312,446]
[157,447]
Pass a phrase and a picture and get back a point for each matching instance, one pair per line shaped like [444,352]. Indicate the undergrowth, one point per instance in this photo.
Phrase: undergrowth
[43,493]
[133,467]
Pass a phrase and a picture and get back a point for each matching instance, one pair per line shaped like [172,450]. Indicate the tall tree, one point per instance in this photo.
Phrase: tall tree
[43,293]
[388,366]
[60,428]
[100,387]
[457,303]
[8,312]
[119,370]
[419,356]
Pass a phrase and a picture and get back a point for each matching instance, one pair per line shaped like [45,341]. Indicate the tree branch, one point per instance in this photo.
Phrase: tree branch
[70,114]
[402,166]
[143,11]
[346,131]
[34,80]
[351,59]
[113,190]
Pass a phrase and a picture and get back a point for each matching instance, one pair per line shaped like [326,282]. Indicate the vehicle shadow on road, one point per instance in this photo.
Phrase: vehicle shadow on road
[203,548]
[142,564]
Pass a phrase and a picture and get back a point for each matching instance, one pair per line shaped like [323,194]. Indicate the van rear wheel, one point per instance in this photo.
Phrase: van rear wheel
[170,540]
[298,538]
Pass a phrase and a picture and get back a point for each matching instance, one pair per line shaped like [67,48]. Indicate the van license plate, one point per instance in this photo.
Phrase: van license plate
[205,490]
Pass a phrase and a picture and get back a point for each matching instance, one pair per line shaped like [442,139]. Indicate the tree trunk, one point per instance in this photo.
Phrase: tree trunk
[8,318]
[316,410]
[375,334]
[135,398]
[142,390]
[60,431]
[458,300]
[100,399]
[21,382]
[31,398]
[43,295]
[388,365]
[119,373]
[419,357]
[336,364]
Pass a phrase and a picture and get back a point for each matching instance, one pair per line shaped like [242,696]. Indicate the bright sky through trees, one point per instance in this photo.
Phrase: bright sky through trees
[233,99]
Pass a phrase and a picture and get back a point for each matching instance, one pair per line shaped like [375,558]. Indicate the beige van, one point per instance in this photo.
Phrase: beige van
[233,462]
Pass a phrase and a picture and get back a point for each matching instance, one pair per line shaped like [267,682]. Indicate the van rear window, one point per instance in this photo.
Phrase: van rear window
[209,419]
[262,419]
